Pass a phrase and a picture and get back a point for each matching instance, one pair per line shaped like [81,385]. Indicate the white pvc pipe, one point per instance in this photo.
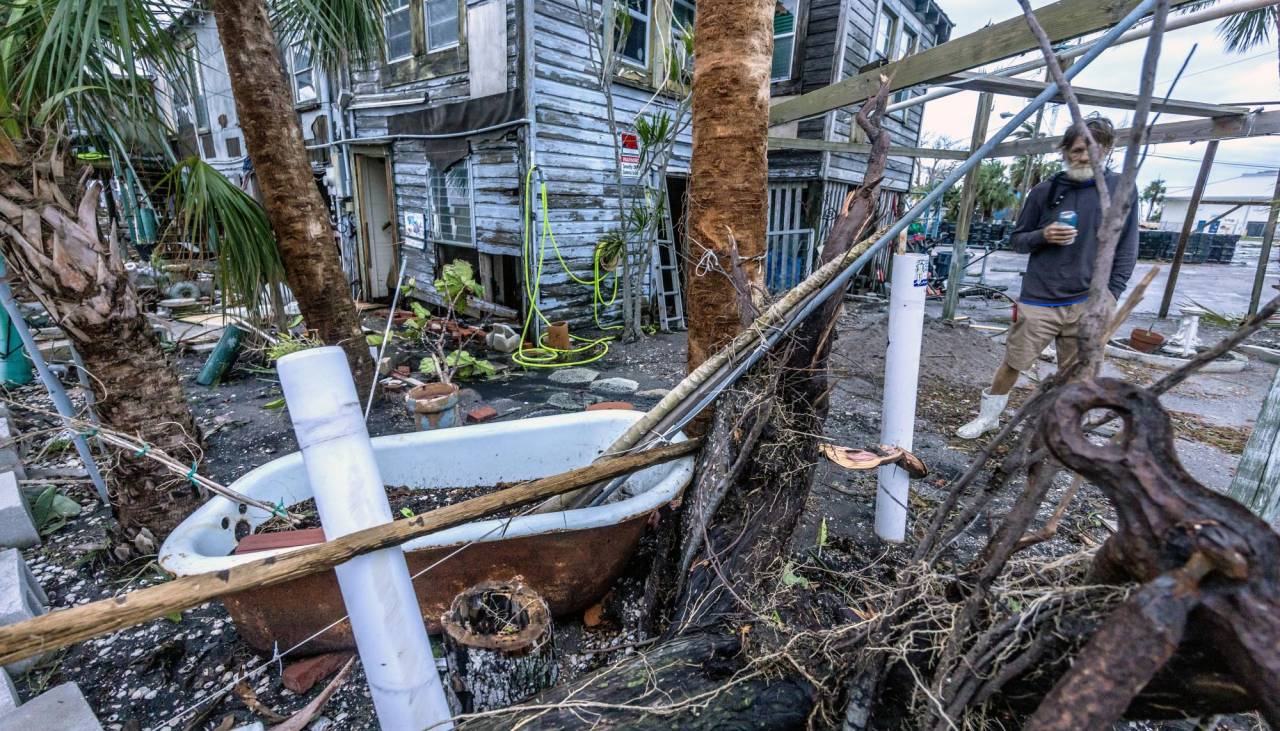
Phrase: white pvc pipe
[1175,22]
[901,375]
[350,496]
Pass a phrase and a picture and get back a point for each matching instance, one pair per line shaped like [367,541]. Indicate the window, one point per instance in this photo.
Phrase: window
[442,24]
[910,44]
[450,205]
[887,34]
[188,96]
[631,32]
[784,39]
[304,84]
[399,31]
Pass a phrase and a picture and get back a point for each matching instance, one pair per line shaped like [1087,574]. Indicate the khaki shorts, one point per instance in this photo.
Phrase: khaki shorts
[1038,326]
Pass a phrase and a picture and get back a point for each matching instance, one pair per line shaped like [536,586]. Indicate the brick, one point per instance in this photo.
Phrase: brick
[17,527]
[21,598]
[612,405]
[481,413]
[302,676]
[62,708]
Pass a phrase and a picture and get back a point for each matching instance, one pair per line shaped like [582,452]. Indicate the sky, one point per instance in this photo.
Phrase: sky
[1213,75]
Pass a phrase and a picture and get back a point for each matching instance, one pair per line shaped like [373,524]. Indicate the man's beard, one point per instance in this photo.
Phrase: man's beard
[1080,173]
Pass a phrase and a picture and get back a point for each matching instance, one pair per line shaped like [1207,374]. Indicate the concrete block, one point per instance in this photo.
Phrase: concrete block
[615,386]
[8,694]
[10,456]
[17,527]
[21,598]
[62,708]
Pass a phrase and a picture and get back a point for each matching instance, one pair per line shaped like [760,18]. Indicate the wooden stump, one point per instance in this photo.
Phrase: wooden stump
[499,645]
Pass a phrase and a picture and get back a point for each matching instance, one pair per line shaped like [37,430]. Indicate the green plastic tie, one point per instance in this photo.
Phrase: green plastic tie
[191,474]
[143,452]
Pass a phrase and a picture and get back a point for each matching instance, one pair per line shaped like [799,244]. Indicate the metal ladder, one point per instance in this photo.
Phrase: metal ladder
[664,271]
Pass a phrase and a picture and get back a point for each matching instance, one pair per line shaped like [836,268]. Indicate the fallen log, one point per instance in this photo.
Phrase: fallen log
[68,626]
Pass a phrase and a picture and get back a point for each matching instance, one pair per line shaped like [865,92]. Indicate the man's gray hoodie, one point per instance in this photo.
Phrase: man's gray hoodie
[1060,275]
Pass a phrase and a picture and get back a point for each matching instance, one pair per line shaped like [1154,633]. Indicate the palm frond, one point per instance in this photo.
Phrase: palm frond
[1249,29]
[217,215]
[335,31]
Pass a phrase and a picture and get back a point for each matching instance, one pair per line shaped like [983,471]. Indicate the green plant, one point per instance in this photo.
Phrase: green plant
[610,248]
[457,284]
[51,510]
[287,343]
[460,365]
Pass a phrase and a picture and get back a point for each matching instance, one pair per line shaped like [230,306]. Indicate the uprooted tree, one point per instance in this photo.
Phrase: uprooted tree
[1178,612]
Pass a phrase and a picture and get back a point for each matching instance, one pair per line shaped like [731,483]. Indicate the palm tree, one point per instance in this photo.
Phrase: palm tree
[81,72]
[1252,28]
[1153,194]
[994,192]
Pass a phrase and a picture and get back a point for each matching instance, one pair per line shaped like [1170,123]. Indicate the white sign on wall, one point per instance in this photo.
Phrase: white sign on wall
[415,230]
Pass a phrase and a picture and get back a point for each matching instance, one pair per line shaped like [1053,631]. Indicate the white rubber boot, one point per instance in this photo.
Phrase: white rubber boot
[988,416]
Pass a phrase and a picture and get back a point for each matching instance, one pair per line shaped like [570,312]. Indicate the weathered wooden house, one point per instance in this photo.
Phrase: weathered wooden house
[442,135]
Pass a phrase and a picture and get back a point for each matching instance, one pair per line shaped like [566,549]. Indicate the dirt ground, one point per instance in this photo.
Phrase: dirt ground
[147,677]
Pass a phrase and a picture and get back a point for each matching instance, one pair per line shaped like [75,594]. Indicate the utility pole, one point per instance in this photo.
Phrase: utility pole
[967,196]
[1264,256]
[1188,223]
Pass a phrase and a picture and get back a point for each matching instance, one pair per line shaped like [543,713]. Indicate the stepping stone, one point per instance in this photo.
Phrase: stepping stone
[615,386]
[572,401]
[17,527]
[62,708]
[574,376]
[21,598]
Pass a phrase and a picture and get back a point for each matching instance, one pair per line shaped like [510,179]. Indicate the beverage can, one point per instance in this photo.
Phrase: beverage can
[1068,218]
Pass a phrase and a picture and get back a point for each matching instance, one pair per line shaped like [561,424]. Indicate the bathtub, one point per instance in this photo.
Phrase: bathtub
[571,558]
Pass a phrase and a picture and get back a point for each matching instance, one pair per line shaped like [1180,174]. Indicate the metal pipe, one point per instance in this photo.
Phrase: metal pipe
[386,334]
[51,384]
[390,633]
[441,136]
[1175,22]
[708,390]
[901,379]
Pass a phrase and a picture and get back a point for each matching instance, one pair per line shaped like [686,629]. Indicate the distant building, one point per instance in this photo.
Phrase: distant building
[1242,202]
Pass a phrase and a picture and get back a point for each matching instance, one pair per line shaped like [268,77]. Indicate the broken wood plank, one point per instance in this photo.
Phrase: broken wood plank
[1194,130]
[1031,88]
[64,627]
[1062,20]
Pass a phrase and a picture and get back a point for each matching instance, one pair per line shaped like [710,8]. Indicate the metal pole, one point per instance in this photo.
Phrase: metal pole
[52,384]
[967,197]
[1264,256]
[1188,223]
[386,334]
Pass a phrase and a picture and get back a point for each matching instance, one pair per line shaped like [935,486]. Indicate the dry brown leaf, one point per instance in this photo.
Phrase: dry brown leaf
[852,459]
[246,694]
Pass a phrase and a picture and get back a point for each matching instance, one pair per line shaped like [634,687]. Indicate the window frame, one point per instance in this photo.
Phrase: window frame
[294,72]
[438,182]
[793,35]
[428,46]
[908,44]
[887,13]
[628,62]
[407,9]
[195,90]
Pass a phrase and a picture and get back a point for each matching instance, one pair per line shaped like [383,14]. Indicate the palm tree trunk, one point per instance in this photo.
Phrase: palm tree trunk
[57,250]
[308,248]
[728,191]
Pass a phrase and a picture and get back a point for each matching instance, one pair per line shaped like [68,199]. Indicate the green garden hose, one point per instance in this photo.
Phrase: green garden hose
[590,349]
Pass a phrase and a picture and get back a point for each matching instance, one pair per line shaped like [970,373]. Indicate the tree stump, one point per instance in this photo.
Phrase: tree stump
[498,645]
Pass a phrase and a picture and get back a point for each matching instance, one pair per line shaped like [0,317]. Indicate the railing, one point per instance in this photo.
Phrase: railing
[789,258]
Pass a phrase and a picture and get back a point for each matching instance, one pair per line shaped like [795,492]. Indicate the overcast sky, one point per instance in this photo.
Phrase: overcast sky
[1213,75]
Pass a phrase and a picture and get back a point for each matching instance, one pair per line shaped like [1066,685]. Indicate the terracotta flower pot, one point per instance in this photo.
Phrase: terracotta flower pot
[558,336]
[1145,341]
[434,406]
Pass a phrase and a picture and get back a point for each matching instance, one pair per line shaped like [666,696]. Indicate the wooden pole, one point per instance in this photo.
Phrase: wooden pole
[67,626]
[1188,223]
[1264,256]
[1257,481]
[965,220]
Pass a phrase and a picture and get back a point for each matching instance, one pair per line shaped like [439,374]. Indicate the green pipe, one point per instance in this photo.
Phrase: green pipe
[223,355]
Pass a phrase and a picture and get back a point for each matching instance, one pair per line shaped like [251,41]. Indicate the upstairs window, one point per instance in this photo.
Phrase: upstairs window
[683,13]
[887,34]
[631,32]
[909,45]
[784,39]
[399,30]
[304,83]
[188,95]
[450,214]
[442,24]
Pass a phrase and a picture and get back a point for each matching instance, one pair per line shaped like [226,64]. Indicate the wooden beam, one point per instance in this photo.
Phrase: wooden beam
[1188,223]
[1062,20]
[64,627]
[1224,201]
[1031,88]
[862,148]
[1193,130]
[968,195]
[1264,257]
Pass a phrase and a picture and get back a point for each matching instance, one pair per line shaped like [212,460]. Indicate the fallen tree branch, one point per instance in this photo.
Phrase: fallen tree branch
[64,627]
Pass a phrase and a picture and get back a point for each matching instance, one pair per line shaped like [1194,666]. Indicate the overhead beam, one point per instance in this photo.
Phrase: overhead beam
[1195,130]
[1062,20]
[1237,202]
[792,143]
[1031,88]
